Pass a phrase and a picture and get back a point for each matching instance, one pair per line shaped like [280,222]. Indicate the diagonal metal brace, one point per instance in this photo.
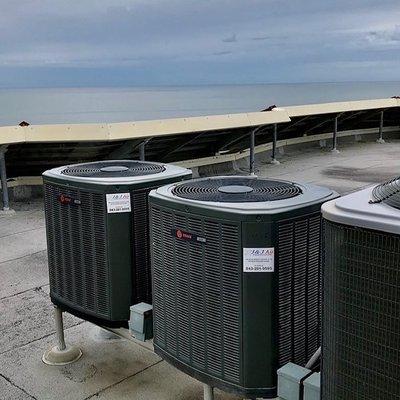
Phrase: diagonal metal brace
[3,178]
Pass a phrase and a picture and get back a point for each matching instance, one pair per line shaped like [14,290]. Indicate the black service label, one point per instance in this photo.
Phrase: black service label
[183,235]
[65,199]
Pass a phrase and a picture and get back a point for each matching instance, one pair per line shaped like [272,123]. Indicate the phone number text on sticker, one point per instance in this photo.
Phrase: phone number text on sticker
[258,259]
[118,202]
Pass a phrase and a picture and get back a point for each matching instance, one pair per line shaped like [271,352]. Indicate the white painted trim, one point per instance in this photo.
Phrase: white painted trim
[338,107]
[136,130]
[174,126]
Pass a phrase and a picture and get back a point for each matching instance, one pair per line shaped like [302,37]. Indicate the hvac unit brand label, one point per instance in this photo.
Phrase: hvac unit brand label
[118,202]
[258,259]
[67,200]
[183,235]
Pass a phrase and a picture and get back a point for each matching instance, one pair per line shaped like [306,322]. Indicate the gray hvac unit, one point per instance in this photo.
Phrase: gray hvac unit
[236,278]
[97,235]
[361,323]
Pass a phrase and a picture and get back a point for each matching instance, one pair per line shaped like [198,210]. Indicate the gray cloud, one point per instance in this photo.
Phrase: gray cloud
[268,37]
[153,39]
[385,35]
[230,39]
[261,37]
[222,53]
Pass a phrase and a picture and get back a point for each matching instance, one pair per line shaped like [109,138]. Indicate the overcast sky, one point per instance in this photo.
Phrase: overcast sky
[169,42]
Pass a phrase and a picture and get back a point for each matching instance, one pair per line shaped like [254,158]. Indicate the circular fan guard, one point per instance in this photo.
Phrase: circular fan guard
[114,169]
[227,190]
[388,193]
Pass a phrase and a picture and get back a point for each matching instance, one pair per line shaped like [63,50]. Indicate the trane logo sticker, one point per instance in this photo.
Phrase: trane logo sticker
[258,259]
[182,235]
[118,202]
[64,199]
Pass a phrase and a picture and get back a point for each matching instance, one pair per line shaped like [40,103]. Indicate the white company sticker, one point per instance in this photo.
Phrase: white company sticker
[258,259]
[118,202]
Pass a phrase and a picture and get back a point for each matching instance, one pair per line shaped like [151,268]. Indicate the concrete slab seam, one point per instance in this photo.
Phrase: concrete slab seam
[36,289]
[28,230]
[18,387]
[41,338]
[26,255]
[122,380]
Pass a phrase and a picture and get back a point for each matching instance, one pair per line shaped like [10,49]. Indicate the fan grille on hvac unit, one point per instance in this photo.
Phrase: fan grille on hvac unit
[299,288]
[236,189]
[388,193]
[196,293]
[77,250]
[114,169]
[361,314]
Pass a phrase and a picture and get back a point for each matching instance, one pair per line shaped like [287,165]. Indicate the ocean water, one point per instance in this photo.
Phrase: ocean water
[78,105]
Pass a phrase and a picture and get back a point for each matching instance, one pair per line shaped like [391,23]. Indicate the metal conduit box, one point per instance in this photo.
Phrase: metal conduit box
[290,381]
[361,335]
[312,387]
[141,321]
[236,278]
[97,235]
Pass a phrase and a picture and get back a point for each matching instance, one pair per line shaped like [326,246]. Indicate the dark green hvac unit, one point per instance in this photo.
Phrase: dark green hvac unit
[361,306]
[236,278]
[97,235]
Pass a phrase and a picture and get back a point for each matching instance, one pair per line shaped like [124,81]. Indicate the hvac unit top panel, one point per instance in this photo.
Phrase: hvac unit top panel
[116,171]
[376,208]
[236,190]
[243,194]
[388,193]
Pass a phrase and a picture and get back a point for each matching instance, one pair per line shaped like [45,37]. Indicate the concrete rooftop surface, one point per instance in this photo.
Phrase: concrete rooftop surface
[117,368]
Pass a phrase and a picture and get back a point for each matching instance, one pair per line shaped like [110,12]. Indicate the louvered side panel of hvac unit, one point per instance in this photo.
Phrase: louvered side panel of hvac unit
[141,247]
[299,288]
[197,288]
[361,327]
[77,249]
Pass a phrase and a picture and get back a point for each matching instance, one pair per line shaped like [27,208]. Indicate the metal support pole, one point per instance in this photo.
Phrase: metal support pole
[3,177]
[208,392]
[252,150]
[61,354]
[58,319]
[334,139]
[274,142]
[381,140]
[142,151]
